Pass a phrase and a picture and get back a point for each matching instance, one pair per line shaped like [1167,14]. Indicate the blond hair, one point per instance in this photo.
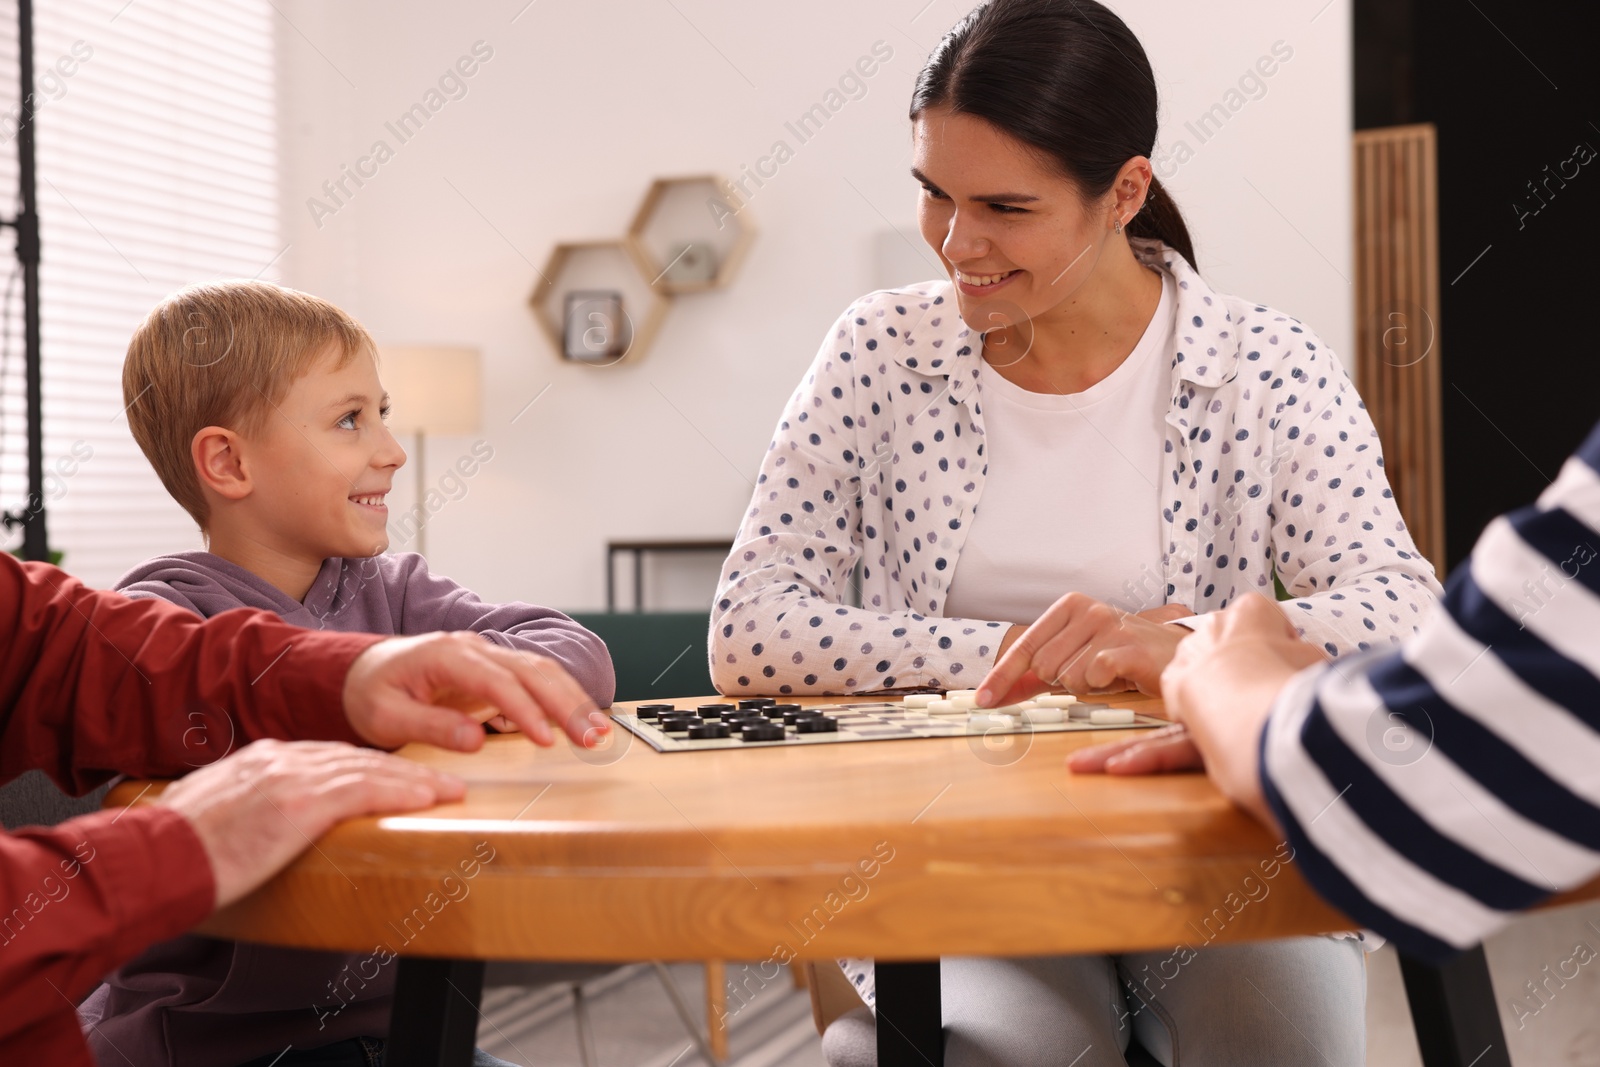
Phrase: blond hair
[223,354]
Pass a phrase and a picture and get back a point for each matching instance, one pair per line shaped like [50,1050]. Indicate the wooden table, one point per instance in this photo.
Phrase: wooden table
[900,850]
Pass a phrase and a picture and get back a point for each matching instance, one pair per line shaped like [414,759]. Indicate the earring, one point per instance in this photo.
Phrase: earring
[1118,227]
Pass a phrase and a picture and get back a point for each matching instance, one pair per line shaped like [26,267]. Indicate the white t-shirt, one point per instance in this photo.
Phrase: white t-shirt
[1072,499]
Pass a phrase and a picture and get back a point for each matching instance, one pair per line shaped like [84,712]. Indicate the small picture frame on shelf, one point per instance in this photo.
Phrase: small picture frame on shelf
[691,264]
[595,327]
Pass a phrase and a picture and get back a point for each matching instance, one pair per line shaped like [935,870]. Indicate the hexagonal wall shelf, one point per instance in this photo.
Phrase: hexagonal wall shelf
[687,235]
[600,302]
[594,305]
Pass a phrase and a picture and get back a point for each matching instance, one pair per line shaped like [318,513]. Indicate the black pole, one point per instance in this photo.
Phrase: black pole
[35,545]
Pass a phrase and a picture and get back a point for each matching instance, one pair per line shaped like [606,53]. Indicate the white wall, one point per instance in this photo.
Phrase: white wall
[583,103]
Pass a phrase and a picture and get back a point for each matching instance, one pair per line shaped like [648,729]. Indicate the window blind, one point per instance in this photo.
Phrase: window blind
[156,129]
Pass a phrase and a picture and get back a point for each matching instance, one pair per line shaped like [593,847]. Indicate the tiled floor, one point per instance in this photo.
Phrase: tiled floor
[1559,1026]
[635,1026]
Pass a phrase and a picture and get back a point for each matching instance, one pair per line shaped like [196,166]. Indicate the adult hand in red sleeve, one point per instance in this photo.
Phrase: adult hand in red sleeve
[259,808]
[1085,646]
[437,688]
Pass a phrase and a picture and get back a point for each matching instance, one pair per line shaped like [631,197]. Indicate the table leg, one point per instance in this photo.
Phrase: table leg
[910,1015]
[435,1020]
[1454,1012]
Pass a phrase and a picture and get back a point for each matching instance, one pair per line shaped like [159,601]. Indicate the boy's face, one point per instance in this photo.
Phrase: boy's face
[323,463]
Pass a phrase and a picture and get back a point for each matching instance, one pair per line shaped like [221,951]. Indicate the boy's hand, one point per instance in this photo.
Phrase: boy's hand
[437,688]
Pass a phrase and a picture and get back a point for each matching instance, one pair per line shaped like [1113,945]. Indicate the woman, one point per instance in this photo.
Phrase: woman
[1143,449]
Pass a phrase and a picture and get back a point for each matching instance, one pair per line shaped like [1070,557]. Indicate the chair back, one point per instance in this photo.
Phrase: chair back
[656,653]
[831,993]
[32,799]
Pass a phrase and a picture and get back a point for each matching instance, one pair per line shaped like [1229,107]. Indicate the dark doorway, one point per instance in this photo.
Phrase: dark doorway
[1512,91]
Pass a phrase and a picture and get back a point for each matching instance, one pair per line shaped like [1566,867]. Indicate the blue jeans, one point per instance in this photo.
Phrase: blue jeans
[357,1052]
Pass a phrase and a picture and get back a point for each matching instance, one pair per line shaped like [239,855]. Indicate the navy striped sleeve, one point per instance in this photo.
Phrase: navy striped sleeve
[1433,792]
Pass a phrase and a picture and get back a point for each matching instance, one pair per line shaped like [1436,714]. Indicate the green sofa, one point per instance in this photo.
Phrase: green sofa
[657,654]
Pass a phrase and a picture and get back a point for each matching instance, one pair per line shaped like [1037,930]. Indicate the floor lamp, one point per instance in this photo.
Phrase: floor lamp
[432,390]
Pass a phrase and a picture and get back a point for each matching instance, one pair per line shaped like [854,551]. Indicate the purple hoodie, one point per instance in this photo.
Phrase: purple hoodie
[203,1002]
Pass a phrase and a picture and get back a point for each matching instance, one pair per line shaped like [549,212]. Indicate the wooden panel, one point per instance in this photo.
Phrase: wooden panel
[1397,318]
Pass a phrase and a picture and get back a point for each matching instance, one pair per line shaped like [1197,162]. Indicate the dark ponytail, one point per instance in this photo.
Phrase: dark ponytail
[1066,77]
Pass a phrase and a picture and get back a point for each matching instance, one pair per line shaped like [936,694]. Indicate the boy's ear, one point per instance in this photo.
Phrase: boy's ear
[219,463]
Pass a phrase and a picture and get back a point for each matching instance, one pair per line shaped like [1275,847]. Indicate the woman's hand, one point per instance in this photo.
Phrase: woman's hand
[1219,690]
[1167,613]
[1084,646]
[1168,749]
[1223,687]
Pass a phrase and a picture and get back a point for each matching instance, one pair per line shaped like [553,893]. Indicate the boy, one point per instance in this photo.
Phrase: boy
[262,411]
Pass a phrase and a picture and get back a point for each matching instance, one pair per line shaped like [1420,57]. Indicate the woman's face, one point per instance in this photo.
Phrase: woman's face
[1015,236]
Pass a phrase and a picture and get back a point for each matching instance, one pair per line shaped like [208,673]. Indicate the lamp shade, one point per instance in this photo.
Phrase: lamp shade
[434,389]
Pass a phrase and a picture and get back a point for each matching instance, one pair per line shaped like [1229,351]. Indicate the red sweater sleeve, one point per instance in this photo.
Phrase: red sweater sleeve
[93,684]
[81,898]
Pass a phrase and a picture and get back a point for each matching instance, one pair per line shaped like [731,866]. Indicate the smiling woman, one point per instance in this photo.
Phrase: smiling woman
[1008,455]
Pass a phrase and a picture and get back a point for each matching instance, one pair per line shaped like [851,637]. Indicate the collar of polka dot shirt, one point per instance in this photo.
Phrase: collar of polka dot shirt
[1207,356]
[1274,470]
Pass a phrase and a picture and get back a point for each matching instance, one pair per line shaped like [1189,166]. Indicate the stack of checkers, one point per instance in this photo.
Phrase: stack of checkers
[1036,712]
[759,719]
